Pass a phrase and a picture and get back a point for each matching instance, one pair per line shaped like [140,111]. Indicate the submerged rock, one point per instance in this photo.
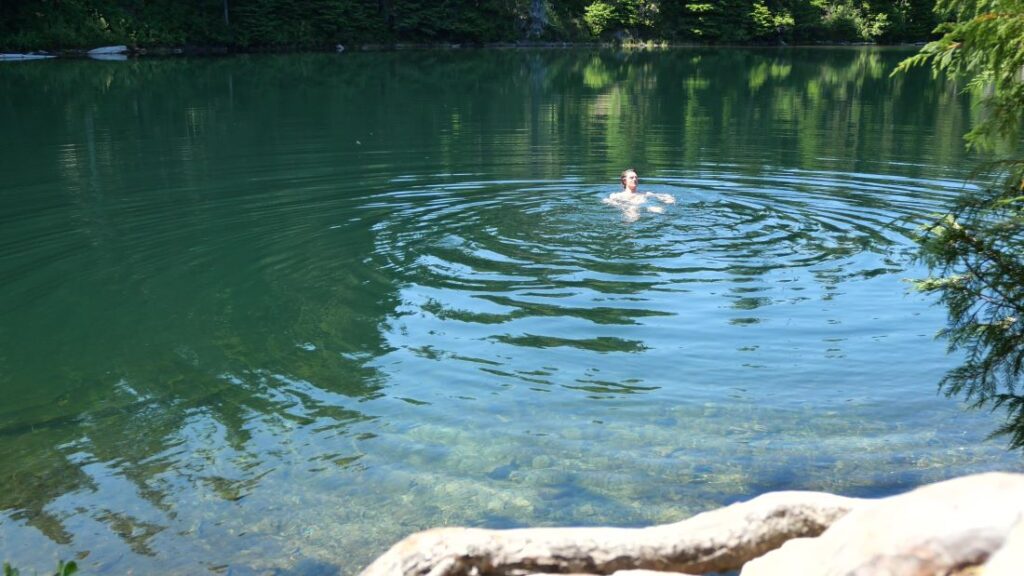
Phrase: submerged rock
[503,472]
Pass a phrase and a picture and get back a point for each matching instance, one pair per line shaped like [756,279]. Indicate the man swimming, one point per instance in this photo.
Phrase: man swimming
[630,200]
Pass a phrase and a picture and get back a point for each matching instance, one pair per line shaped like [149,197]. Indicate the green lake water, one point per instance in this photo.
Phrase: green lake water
[269,314]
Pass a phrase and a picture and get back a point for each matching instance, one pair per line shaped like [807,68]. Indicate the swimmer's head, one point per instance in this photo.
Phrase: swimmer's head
[629,179]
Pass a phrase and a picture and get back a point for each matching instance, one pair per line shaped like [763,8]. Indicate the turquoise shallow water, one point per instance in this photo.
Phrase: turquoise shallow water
[270,314]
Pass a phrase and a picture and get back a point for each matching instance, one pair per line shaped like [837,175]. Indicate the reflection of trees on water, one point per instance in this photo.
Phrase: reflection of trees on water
[672,112]
[716,98]
[544,109]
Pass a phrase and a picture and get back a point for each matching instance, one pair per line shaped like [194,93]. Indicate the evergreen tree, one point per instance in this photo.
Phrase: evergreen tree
[976,253]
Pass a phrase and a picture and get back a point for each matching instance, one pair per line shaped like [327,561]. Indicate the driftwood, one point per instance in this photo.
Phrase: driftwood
[717,540]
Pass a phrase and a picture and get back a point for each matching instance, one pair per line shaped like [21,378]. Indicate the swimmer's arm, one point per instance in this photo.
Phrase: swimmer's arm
[666,198]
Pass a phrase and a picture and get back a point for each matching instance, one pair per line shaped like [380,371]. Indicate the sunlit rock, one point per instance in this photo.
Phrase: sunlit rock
[935,529]
[30,56]
[120,49]
[1008,560]
[717,540]
[975,523]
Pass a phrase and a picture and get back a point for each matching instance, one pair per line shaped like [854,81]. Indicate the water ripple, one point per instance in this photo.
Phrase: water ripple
[555,243]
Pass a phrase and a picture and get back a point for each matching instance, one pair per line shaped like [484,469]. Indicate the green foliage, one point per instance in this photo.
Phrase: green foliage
[986,47]
[599,16]
[566,20]
[452,20]
[808,25]
[976,253]
[320,24]
[299,23]
[39,24]
[634,16]
[174,23]
[854,23]
[769,24]
[907,20]
[841,21]
[874,26]
[63,569]
[709,21]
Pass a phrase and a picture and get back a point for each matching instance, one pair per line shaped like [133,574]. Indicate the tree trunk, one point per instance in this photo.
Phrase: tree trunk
[538,19]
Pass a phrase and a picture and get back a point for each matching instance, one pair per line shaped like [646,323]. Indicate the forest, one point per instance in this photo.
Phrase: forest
[248,25]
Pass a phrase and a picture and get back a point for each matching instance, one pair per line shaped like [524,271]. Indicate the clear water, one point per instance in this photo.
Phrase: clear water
[270,314]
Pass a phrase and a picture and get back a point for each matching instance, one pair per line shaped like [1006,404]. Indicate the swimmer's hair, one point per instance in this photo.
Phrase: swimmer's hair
[622,177]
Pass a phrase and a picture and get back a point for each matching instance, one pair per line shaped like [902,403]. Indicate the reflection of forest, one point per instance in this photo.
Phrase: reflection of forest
[192,242]
[641,107]
[710,104]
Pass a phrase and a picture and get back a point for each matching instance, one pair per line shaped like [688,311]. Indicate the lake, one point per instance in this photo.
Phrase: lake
[271,313]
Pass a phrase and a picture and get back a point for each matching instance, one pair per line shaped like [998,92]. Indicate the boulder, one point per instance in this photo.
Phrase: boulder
[120,49]
[967,526]
[1008,560]
[941,528]
[717,540]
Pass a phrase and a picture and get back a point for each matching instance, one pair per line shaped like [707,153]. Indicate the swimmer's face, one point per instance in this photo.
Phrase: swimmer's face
[630,180]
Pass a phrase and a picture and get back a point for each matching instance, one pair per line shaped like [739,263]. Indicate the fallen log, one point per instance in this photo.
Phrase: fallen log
[713,541]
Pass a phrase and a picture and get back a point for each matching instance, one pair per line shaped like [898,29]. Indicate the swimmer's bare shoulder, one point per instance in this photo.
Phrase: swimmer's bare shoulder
[617,198]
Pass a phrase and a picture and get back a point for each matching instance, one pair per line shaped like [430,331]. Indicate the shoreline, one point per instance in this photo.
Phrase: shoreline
[123,52]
